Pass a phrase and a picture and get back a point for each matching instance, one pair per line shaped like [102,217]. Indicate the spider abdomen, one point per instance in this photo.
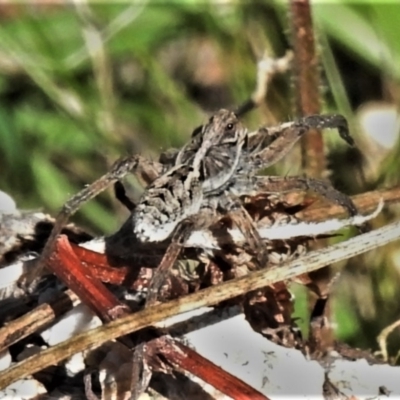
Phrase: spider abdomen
[170,199]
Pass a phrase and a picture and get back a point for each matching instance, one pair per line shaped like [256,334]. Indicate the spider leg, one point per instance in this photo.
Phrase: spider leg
[280,139]
[148,171]
[319,186]
[281,184]
[292,183]
[247,227]
[202,220]
[118,170]
[121,196]
[179,237]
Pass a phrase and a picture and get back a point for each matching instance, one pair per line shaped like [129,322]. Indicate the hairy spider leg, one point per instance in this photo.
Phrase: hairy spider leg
[117,171]
[283,137]
[241,218]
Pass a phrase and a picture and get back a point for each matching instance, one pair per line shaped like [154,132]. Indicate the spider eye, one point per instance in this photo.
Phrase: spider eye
[229,126]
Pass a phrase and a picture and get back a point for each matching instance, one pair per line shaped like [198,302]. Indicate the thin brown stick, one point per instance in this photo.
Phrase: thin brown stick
[306,85]
[210,296]
[37,318]
[365,202]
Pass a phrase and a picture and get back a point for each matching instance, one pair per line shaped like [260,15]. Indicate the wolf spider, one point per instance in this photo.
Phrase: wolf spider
[205,179]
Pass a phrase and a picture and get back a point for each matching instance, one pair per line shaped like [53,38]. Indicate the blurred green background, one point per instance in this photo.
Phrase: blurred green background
[84,84]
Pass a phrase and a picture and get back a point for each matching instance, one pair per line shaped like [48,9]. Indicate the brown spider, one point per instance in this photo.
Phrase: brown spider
[188,188]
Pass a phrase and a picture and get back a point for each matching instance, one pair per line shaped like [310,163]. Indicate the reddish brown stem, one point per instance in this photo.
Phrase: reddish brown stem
[181,356]
[307,84]
[307,95]
[100,267]
[81,280]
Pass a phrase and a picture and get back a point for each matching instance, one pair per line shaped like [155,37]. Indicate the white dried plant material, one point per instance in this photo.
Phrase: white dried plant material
[75,364]
[5,359]
[10,275]
[180,318]
[282,230]
[15,225]
[364,381]
[275,371]
[380,123]
[7,203]
[97,244]
[301,228]
[71,324]
[25,389]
